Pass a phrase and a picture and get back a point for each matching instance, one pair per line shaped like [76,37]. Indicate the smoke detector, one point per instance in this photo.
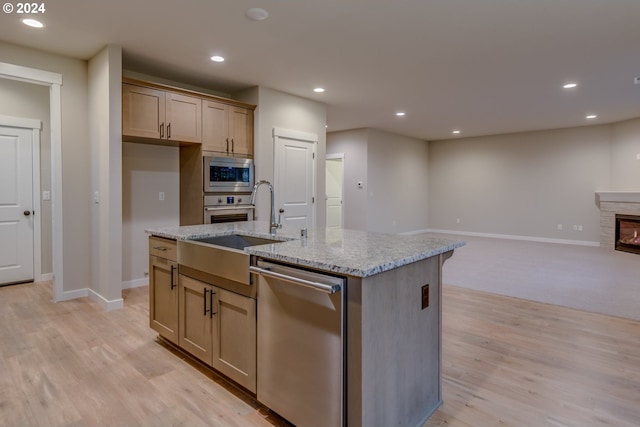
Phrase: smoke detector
[257,14]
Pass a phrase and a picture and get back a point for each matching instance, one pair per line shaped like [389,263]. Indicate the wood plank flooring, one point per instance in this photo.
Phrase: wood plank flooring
[506,362]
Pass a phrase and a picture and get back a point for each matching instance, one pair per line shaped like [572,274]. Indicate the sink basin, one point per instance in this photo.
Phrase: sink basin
[236,241]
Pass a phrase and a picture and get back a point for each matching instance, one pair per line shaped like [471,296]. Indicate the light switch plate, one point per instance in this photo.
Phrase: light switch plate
[46,196]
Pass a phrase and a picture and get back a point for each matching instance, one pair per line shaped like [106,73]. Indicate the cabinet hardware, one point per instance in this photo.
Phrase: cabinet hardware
[227,145]
[232,145]
[169,131]
[211,312]
[205,301]
[160,248]
[161,130]
[173,268]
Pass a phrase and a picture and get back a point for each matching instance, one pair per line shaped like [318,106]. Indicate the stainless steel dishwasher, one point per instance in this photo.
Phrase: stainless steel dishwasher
[301,344]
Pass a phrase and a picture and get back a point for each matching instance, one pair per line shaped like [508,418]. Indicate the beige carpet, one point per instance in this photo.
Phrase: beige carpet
[582,277]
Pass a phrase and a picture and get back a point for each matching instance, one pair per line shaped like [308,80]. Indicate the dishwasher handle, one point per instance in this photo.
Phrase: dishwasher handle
[317,286]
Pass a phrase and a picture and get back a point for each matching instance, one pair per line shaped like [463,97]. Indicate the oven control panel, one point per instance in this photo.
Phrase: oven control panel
[227,200]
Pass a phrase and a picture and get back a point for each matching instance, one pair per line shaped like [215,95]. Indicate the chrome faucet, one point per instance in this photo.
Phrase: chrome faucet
[273,224]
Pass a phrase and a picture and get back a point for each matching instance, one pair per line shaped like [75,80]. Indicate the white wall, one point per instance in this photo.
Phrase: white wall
[394,171]
[522,184]
[105,136]
[76,159]
[28,100]
[625,149]
[279,109]
[353,144]
[146,171]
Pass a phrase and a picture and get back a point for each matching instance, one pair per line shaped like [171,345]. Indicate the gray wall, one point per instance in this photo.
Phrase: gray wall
[146,171]
[625,149]
[76,159]
[522,184]
[20,99]
[394,170]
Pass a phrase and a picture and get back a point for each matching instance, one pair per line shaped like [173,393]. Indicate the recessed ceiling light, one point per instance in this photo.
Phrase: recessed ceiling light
[400,113]
[456,131]
[569,85]
[318,90]
[33,23]
[257,14]
[217,58]
[591,116]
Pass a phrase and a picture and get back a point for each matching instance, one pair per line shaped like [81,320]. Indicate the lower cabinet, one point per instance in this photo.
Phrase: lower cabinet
[163,297]
[219,328]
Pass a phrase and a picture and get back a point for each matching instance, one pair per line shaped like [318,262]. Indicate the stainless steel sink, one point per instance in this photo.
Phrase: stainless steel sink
[220,256]
[236,241]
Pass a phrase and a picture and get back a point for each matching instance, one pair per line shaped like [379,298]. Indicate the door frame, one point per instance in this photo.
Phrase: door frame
[334,157]
[54,82]
[35,126]
[310,138]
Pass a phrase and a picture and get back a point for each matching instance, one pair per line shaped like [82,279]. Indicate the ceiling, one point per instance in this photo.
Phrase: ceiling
[484,67]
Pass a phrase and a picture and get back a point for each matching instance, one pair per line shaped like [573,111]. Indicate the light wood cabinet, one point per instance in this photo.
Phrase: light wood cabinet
[163,288]
[219,328]
[227,129]
[234,337]
[158,114]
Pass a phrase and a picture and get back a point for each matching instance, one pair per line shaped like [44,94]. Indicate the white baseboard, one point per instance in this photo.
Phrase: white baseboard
[105,303]
[77,293]
[509,237]
[135,283]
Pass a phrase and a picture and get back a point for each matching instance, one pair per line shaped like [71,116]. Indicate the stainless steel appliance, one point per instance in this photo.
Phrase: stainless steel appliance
[219,208]
[301,348]
[227,174]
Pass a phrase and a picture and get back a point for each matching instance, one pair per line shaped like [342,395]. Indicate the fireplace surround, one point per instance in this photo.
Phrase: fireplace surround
[612,203]
[628,233]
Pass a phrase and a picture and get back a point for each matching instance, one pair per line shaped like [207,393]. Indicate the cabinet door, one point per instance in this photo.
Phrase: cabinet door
[184,118]
[234,337]
[163,297]
[215,127]
[143,111]
[196,334]
[241,131]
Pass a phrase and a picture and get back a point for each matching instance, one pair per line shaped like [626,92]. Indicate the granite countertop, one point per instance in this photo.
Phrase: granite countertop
[351,252]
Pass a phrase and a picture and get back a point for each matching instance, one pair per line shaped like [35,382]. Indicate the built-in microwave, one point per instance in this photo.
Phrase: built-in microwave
[228,174]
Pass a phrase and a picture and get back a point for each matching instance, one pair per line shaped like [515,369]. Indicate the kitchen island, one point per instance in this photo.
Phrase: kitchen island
[391,323]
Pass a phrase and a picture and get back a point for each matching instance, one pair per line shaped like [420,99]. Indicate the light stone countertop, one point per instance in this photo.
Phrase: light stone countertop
[351,252]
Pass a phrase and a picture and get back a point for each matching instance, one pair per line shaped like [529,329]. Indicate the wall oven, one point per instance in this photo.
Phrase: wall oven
[228,174]
[221,208]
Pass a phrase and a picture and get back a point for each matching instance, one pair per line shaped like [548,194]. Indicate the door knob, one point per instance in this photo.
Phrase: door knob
[26,213]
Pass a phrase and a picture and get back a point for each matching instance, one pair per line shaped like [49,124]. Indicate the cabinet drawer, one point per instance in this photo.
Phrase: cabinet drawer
[163,248]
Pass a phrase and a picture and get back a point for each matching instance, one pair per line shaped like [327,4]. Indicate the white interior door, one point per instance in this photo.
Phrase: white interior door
[294,177]
[334,187]
[16,205]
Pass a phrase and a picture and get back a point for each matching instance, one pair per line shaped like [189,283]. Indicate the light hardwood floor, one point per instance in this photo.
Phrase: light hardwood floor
[506,362]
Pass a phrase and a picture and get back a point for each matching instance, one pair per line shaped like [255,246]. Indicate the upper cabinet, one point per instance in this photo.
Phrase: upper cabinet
[227,129]
[154,113]
[158,114]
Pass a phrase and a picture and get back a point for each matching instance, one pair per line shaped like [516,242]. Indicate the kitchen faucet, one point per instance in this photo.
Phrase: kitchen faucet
[273,224]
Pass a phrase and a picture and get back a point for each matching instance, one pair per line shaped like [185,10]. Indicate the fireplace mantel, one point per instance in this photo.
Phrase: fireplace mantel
[610,204]
[617,197]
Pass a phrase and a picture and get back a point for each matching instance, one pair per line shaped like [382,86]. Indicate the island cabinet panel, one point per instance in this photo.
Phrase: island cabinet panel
[196,325]
[394,346]
[219,328]
[163,288]
[234,336]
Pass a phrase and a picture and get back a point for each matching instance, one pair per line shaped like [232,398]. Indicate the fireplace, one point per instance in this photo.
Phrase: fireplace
[628,233]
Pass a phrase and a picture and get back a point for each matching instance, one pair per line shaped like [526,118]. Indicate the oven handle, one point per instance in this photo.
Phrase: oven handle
[230,208]
[329,289]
